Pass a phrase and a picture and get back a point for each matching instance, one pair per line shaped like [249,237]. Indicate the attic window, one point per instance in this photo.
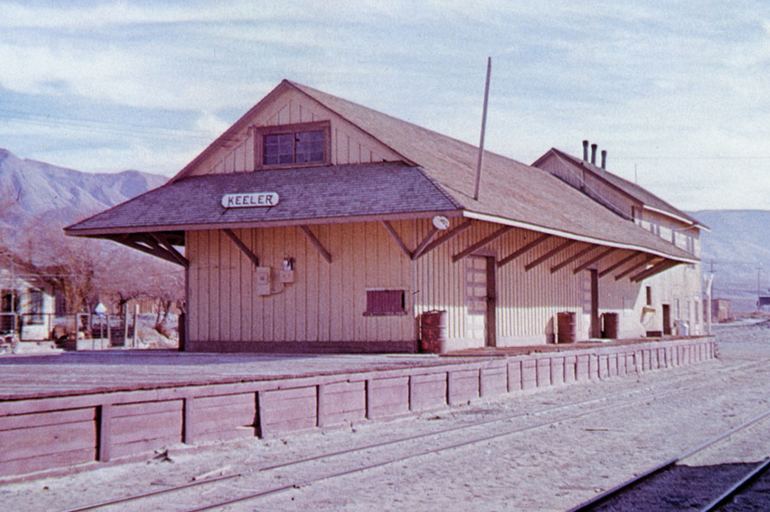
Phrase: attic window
[293,145]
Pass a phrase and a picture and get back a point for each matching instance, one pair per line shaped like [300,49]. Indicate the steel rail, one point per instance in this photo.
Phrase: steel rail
[490,437]
[623,487]
[749,478]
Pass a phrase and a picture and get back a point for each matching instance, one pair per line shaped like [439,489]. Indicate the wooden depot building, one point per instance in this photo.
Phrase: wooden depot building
[316,224]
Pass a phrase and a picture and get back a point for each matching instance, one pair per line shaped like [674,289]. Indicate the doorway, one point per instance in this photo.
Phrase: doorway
[666,319]
[480,299]
[596,326]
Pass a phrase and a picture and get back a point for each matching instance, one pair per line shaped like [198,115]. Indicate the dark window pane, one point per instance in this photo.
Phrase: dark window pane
[35,307]
[310,146]
[278,149]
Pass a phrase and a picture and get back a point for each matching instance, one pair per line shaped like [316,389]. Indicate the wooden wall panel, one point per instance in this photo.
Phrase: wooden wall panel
[349,144]
[326,302]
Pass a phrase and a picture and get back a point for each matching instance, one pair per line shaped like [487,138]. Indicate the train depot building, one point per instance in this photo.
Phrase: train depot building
[315,224]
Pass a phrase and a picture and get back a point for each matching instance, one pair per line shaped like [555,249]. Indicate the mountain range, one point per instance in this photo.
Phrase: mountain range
[32,193]
[35,193]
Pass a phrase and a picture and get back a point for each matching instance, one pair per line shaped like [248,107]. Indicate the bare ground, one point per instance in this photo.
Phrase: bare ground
[633,424]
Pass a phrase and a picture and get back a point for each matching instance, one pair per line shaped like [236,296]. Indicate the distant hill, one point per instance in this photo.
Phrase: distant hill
[33,192]
[738,244]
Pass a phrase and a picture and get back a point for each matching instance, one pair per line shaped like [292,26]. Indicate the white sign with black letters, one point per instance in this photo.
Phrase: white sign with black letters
[250,200]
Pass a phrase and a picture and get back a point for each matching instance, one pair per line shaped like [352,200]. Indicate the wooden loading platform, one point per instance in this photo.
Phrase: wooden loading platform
[65,411]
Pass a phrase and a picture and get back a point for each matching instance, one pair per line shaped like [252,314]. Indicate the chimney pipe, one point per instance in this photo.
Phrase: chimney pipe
[585,150]
[593,153]
[604,159]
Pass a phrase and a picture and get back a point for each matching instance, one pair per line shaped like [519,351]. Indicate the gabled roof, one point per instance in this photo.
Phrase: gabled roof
[511,192]
[306,195]
[509,189]
[633,190]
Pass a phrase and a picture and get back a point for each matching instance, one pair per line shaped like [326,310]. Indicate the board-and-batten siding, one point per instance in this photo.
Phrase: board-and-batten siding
[326,302]
[350,145]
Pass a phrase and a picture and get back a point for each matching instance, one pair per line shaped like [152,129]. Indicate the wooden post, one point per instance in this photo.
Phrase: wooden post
[104,414]
[136,325]
[125,323]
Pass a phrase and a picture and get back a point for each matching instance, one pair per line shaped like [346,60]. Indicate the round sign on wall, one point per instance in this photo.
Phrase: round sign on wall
[440,222]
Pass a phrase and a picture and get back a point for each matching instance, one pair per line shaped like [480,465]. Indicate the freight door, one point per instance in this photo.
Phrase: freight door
[480,299]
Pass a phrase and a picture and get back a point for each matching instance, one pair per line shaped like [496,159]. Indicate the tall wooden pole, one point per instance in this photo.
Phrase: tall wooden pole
[483,129]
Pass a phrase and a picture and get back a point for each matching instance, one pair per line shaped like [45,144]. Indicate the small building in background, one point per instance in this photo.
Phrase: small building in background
[721,310]
[27,300]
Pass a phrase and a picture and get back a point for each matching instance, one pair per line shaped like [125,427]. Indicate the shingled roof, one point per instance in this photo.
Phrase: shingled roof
[512,193]
[306,194]
[629,188]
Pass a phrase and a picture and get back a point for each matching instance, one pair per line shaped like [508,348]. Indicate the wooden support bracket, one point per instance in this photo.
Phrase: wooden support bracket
[148,245]
[481,243]
[424,243]
[582,252]
[396,238]
[445,237]
[240,245]
[635,267]
[619,264]
[165,244]
[656,269]
[523,250]
[595,259]
[549,254]
[316,243]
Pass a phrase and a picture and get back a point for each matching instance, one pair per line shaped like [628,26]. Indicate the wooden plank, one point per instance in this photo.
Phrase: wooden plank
[152,251]
[240,245]
[595,259]
[619,264]
[316,243]
[635,267]
[549,254]
[656,269]
[396,238]
[481,243]
[523,250]
[446,236]
[572,258]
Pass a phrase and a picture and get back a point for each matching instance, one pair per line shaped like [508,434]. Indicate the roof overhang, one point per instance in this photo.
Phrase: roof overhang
[120,230]
[675,217]
[574,236]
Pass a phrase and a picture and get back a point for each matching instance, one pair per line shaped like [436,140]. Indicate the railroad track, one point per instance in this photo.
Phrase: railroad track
[648,490]
[642,393]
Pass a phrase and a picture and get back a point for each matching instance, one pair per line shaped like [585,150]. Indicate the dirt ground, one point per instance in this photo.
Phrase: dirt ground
[632,424]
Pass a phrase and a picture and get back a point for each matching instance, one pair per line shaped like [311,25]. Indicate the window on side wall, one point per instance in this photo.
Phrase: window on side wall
[385,302]
[295,145]
[648,291]
[35,311]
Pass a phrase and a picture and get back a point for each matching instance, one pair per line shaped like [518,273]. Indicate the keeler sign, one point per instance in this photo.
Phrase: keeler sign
[250,200]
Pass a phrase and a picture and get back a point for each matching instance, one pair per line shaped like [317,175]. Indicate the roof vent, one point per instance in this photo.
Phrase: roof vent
[593,153]
[604,159]
[585,150]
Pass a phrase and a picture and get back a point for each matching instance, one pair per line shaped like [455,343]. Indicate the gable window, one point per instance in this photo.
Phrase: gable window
[385,302]
[649,295]
[293,145]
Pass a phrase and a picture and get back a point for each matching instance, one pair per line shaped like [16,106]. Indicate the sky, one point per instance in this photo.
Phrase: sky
[676,92]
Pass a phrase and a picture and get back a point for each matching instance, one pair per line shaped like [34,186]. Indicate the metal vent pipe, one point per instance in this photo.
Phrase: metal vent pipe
[593,153]
[604,158]
[585,150]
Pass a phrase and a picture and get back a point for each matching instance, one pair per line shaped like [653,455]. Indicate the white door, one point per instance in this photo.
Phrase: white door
[476,298]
